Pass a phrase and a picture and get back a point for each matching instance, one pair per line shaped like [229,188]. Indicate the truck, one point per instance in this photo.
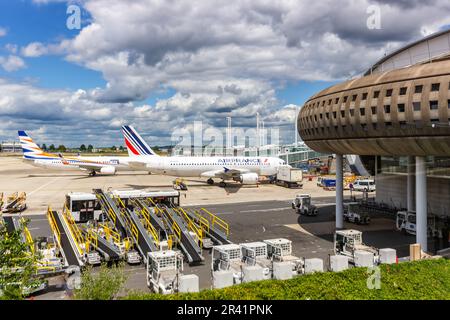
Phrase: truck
[329,184]
[355,214]
[347,242]
[163,271]
[289,177]
[406,222]
[302,205]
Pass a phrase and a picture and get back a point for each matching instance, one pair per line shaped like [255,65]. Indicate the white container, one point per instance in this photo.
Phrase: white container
[338,263]
[188,283]
[282,270]
[252,273]
[222,279]
[286,173]
[313,265]
[388,255]
[363,258]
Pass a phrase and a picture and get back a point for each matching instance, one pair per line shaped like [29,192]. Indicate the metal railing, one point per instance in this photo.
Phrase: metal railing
[216,221]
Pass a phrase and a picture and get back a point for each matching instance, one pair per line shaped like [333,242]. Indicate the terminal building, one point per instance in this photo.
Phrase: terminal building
[396,117]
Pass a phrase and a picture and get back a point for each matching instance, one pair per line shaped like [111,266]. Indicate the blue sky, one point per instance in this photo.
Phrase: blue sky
[162,65]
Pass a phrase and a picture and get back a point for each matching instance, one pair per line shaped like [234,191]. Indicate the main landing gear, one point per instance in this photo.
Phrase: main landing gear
[210,181]
[222,184]
[92,173]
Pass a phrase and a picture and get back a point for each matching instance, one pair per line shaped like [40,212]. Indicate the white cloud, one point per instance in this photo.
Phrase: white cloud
[3,32]
[12,63]
[11,48]
[221,58]
[34,49]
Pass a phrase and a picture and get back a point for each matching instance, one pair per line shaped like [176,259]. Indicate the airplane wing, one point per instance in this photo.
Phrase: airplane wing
[225,173]
[85,165]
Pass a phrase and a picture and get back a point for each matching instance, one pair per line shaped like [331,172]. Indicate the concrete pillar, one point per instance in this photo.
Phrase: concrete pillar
[410,185]
[339,192]
[421,203]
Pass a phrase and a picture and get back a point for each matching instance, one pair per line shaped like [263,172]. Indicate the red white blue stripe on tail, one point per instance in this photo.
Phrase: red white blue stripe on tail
[135,144]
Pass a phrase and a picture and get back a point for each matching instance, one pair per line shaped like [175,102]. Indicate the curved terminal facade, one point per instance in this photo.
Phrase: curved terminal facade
[400,112]
[397,117]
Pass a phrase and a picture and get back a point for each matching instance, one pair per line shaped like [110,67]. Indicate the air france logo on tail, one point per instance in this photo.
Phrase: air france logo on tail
[135,144]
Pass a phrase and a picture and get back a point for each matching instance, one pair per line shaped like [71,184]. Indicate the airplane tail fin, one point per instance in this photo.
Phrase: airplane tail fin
[29,148]
[135,144]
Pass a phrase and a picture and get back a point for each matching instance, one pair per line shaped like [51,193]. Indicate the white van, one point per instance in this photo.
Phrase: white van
[367,185]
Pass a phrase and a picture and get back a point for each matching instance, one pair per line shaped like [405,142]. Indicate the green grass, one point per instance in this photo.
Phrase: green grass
[426,279]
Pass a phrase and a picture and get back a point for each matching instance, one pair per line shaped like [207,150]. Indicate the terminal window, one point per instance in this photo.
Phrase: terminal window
[403,124]
[435,86]
[401,107]
[387,108]
[418,89]
[448,104]
[342,114]
[376,94]
[403,91]
[416,106]
[362,111]
[334,114]
[354,97]
[389,93]
[352,112]
[434,105]
[374,110]
[345,99]
[337,100]
[364,96]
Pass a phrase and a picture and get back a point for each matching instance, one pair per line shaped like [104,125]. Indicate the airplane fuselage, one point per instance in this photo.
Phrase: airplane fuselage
[197,166]
[118,163]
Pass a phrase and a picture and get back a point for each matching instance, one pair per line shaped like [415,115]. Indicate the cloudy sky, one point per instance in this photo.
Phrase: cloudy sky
[161,64]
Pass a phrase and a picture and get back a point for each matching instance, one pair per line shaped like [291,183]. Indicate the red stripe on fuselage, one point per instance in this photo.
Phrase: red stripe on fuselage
[130,147]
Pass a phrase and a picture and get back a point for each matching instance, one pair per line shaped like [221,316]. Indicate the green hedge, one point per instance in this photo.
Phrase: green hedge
[426,279]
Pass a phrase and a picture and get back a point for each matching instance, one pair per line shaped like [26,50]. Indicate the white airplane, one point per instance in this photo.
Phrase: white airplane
[242,169]
[37,157]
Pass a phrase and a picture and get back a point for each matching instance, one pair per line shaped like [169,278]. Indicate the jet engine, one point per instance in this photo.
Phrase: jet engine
[249,178]
[108,170]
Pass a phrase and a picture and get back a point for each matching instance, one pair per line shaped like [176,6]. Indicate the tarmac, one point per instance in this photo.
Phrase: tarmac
[253,213]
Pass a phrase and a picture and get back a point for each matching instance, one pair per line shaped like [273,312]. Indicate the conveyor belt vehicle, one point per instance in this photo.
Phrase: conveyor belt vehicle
[15,203]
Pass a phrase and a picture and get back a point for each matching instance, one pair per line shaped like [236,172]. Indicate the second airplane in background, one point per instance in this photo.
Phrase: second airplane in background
[242,169]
